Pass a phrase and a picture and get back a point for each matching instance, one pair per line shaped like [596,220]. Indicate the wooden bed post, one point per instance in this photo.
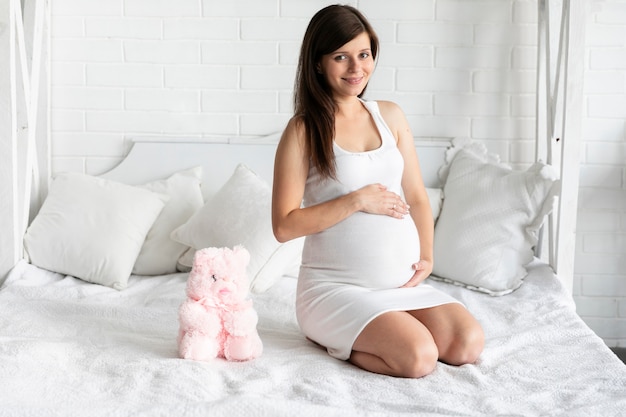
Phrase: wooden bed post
[559,111]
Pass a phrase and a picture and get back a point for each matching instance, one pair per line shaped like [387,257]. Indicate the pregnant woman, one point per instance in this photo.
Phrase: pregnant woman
[347,177]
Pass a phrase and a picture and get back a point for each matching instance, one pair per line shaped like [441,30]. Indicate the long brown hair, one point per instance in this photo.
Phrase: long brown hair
[329,29]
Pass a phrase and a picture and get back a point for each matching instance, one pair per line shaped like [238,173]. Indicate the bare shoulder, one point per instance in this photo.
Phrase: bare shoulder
[393,116]
[389,109]
[295,126]
[293,138]
[294,131]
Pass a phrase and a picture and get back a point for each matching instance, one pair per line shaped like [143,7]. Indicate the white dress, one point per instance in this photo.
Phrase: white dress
[351,272]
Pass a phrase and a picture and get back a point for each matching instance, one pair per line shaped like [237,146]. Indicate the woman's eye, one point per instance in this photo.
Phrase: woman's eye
[340,57]
[364,55]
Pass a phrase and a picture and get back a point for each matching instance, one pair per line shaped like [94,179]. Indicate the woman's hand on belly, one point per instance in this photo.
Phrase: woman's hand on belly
[423,268]
[377,199]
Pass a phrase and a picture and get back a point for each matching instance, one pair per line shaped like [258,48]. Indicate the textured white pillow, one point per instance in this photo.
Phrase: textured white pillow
[159,252]
[92,228]
[490,219]
[240,214]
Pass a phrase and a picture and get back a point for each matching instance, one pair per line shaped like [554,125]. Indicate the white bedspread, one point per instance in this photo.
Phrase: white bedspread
[69,348]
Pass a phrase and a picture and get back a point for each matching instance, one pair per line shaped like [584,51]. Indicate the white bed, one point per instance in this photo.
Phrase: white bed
[69,347]
[105,344]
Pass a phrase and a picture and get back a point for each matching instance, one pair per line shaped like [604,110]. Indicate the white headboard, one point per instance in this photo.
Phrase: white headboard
[157,158]
[151,159]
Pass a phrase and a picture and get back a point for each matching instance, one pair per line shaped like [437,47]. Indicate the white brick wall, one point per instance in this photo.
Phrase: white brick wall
[600,272]
[122,68]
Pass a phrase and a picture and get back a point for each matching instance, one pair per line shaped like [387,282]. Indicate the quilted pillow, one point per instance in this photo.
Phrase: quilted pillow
[92,228]
[240,214]
[489,220]
[159,252]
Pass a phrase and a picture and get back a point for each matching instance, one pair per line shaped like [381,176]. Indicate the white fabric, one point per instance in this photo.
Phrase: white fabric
[92,228]
[70,348]
[490,219]
[185,262]
[240,214]
[351,272]
[159,252]
[435,197]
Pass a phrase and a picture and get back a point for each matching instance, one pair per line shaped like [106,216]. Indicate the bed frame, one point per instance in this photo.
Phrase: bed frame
[559,111]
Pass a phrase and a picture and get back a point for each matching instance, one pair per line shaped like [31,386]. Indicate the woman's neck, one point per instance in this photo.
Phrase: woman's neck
[348,107]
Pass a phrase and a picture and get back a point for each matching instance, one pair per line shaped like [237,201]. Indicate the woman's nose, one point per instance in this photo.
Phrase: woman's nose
[354,65]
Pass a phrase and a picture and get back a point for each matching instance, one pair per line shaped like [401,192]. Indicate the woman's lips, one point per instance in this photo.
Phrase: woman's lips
[354,81]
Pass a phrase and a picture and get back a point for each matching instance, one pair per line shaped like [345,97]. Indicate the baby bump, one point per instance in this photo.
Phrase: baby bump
[372,251]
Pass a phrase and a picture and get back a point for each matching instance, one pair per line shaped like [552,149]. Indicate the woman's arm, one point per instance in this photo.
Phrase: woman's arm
[291,168]
[414,189]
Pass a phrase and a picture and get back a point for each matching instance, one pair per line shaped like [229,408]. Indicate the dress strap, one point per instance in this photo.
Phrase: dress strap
[383,128]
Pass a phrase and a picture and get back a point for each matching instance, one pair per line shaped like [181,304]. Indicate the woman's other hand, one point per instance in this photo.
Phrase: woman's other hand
[422,269]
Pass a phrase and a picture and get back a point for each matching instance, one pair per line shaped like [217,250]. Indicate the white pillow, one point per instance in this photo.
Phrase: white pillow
[240,214]
[435,197]
[159,252]
[490,219]
[92,228]
[185,262]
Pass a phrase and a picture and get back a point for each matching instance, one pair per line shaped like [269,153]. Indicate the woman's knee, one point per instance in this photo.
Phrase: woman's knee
[403,345]
[466,347]
[418,361]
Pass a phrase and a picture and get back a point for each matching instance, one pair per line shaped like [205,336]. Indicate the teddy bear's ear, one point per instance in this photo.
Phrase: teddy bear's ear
[207,253]
[242,254]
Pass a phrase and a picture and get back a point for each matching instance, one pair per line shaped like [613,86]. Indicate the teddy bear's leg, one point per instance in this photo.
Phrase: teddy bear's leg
[200,329]
[243,348]
[242,340]
[197,346]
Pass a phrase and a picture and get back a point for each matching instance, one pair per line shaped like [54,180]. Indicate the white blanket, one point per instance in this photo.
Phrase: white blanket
[70,348]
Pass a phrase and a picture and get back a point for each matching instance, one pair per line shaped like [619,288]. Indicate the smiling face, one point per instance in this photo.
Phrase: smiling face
[348,69]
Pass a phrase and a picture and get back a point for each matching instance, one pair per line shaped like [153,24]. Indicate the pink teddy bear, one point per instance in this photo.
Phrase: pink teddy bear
[218,319]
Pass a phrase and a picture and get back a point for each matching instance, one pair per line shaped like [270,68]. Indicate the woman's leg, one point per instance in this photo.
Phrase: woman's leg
[396,344]
[457,334]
